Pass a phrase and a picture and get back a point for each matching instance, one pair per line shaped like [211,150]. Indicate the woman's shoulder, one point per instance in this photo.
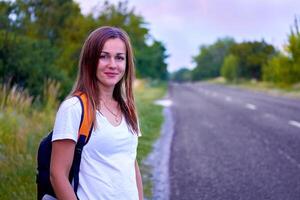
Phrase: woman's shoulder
[70,104]
[67,120]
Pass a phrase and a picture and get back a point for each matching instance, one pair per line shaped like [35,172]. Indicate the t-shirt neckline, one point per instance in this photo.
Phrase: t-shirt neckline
[109,121]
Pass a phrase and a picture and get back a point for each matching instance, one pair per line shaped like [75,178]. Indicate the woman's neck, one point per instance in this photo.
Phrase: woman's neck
[106,94]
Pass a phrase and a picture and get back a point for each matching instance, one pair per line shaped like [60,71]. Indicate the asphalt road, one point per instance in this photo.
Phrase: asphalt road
[231,144]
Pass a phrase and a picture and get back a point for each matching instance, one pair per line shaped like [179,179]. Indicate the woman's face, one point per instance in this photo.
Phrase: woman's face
[112,62]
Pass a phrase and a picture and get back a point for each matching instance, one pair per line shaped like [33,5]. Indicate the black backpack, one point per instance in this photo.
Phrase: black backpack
[44,153]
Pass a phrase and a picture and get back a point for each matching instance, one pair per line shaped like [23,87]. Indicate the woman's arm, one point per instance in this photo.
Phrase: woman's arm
[61,162]
[139,181]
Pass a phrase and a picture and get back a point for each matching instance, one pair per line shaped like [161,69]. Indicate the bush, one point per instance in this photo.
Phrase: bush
[230,69]
[285,69]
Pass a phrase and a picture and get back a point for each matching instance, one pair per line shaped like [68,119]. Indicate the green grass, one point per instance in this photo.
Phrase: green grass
[151,118]
[21,129]
[23,124]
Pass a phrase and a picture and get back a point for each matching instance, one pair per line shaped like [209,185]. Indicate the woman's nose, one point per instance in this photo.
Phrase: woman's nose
[112,62]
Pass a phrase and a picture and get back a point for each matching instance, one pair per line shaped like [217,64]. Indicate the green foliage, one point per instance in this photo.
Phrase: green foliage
[27,62]
[43,19]
[150,61]
[293,47]
[121,16]
[278,70]
[42,39]
[285,69]
[229,69]
[182,75]
[210,59]
[246,60]
[71,41]
[252,56]
[5,10]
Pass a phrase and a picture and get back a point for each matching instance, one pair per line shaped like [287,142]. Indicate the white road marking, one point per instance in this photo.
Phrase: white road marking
[289,158]
[228,98]
[294,123]
[251,106]
[163,102]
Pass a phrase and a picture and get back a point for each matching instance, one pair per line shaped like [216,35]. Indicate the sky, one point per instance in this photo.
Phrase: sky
[184,25]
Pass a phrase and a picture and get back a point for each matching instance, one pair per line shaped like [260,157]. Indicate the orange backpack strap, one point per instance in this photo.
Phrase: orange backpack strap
[86,124]
[84,133]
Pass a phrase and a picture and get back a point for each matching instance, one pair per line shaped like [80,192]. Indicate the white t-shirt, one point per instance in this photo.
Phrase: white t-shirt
[107,169]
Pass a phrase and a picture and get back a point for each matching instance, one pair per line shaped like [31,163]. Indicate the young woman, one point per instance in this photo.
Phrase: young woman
[108,168]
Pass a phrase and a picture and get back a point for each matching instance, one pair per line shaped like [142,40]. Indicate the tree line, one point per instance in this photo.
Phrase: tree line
[40,40]
[247,60]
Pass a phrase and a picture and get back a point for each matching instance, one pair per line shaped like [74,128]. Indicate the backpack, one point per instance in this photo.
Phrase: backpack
[44,187]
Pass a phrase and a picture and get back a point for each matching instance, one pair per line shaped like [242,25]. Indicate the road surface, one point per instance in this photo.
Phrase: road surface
[231,144]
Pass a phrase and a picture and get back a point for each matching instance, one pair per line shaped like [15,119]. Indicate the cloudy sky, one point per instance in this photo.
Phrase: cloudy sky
[184,25]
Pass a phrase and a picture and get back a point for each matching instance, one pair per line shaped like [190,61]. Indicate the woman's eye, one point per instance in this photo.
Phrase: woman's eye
[103,56]
[120,58]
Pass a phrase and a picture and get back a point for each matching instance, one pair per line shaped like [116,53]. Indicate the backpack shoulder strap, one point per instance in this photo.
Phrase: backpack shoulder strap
[84,133]
[86,124]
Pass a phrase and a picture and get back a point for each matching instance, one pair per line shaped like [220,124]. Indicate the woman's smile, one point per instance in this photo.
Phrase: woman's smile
[111,74]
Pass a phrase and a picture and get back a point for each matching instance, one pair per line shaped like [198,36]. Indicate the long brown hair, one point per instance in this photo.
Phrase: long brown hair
[87,81]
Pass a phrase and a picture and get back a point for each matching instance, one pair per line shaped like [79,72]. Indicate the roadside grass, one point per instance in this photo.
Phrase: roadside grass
[23,124]
[151,118]
[292,91]
[21,128]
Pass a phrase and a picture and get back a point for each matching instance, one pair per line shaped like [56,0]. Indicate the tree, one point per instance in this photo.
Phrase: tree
[150,61]
[285,69]
[42,39]
[44,19]
[181,75]
[210,59]
[252,56]
[293,47]
[27,62]
[5,10]
[71,40]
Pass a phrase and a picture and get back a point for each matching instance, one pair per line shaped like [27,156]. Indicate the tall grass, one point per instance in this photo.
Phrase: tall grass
[21,128]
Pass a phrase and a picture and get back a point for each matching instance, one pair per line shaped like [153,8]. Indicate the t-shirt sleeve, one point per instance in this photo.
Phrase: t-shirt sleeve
[67,120]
